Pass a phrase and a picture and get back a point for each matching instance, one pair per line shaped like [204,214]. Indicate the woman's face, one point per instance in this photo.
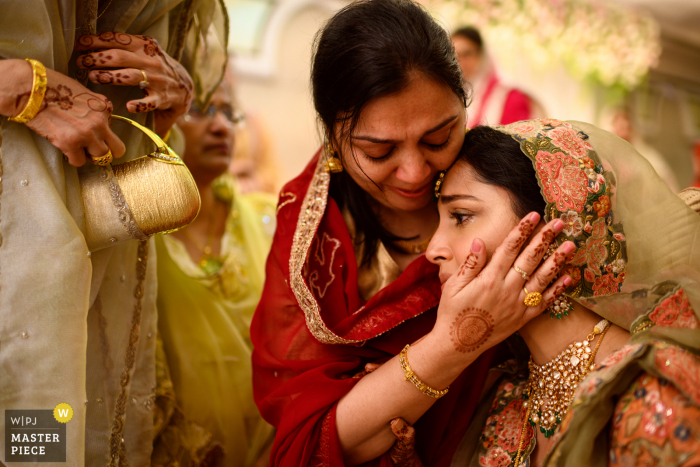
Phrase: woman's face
[402,141]
[469,209]
[209,140]
[468,56]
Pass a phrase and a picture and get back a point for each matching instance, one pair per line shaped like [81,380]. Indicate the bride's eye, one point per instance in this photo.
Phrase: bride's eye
[460,218]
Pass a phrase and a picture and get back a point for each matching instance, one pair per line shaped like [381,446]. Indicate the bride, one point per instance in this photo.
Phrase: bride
[610,373]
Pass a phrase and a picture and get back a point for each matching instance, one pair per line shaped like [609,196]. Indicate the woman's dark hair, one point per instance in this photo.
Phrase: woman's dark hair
[472,34]
[498,160]
[372,49]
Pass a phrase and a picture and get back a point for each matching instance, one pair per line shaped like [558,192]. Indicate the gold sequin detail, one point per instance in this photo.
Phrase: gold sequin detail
[117,448]
[312,209]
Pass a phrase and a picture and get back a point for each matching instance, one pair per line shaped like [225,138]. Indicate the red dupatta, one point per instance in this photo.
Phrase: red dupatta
[311,332]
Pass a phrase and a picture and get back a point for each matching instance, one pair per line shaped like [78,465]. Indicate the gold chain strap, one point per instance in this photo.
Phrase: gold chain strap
[409,375]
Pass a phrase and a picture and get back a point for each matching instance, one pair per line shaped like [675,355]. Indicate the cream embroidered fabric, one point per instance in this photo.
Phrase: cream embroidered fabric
[52,349]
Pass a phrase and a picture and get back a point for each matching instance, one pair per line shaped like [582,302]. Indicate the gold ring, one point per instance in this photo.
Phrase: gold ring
[102,160]
[145,82]
[532,298]
[522,273]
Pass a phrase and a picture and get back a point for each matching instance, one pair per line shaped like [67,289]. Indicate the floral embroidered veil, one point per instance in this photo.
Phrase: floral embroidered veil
[637,264]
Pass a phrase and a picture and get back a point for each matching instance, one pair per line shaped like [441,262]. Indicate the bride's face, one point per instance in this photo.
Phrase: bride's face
[402,141]
[469,209]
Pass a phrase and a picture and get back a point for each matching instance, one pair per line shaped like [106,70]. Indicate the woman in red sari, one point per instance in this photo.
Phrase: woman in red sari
[347,285]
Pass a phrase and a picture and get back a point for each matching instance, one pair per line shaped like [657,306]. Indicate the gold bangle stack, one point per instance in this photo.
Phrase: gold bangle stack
[36,98]
[409,375]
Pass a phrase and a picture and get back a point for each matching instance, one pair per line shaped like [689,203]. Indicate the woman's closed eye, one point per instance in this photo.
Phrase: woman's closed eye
[439,146]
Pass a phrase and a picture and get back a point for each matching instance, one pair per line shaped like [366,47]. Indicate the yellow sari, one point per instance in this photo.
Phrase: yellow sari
[204,323]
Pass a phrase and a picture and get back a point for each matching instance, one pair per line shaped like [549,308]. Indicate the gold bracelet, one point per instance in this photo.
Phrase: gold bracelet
[409,375]
[36,98]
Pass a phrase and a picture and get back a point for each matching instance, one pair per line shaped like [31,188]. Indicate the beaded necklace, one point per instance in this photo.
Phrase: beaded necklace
[550,387]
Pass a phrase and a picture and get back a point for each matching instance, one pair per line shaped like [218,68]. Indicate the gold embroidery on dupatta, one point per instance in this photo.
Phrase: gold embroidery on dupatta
[292,198]
[310,215]
[117,447]
[321,258]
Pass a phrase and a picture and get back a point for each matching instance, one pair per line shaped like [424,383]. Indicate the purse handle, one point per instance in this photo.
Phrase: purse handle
[163,152]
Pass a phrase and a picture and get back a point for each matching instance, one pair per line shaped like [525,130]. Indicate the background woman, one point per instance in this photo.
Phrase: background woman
[210,276]
[346,284]
[592,394]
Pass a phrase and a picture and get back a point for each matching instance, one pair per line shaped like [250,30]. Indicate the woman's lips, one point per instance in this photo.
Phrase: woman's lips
[412,194]
[218,148]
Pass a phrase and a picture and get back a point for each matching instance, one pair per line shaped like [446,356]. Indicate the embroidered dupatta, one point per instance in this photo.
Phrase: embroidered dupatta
[637,264]
[312,332]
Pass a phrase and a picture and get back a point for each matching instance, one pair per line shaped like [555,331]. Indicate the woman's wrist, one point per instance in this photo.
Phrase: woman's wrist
[436,362]
[15,87]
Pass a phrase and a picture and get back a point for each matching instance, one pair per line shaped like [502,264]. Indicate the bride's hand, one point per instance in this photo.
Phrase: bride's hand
[482,306]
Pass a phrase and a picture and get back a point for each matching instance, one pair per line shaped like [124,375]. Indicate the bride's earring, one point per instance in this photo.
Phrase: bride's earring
[333,162]
[562,306]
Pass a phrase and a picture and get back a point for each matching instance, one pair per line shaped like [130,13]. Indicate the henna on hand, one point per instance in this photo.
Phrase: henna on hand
[525,228]
[558,291]
[548,237]
[469,264]
[470,329]
[403,452]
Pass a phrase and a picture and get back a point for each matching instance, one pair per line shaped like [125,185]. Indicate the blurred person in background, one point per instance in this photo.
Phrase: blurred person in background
[253,163]
[621,124]
[347,284]
[492,101]
[210,277]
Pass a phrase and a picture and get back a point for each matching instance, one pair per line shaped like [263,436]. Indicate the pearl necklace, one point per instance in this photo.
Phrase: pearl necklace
[551,386]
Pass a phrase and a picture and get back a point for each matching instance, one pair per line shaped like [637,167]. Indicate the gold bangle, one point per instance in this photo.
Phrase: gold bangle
[409,375]
[36,98]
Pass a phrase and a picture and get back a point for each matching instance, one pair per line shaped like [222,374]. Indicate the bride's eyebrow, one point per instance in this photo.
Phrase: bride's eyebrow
[452,198]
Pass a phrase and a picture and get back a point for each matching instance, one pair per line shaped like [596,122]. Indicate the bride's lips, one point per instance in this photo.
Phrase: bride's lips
[412,194]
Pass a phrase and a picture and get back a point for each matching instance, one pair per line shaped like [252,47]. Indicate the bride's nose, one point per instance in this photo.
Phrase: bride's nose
[438,251]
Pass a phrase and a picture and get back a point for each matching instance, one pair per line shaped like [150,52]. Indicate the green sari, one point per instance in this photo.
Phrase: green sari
[204,321]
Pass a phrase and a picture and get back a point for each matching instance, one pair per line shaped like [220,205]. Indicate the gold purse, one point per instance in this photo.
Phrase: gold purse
[134,200]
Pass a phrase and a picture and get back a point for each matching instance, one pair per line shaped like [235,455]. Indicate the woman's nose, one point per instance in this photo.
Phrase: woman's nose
[413,169]
[220,124]
[438,252]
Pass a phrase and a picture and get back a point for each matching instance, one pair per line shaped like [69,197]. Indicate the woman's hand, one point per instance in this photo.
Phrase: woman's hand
[71,117]
[120,59]
[481,307]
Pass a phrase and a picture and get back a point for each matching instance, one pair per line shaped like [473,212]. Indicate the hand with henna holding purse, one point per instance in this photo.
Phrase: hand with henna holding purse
[77,120]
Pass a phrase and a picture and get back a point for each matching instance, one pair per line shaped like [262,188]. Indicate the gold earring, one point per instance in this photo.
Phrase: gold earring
[438,183]
[333,162]
[561,306]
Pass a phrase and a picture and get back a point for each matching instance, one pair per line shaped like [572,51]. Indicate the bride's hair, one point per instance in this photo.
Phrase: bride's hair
[371,49]
[498,160]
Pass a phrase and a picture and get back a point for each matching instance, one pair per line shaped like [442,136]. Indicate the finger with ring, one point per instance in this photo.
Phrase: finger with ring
[144,82]
[102,160]
[532,298]
[525,275]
